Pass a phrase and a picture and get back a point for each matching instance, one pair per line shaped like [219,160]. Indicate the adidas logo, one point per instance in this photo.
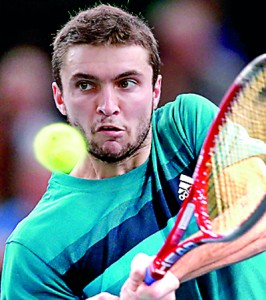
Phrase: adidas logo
[184,186]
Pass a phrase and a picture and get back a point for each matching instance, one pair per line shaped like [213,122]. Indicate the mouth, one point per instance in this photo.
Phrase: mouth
[110,130]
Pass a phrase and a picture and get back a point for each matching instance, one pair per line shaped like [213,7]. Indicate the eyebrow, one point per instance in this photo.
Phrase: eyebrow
[128,74]
[97,79]
[84,76]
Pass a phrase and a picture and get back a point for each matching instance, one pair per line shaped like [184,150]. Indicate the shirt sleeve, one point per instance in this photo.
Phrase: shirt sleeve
[26,276]
[184,123]
[193,116]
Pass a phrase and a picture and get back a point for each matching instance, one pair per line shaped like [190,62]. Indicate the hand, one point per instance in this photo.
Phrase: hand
[103,296]
[135,288]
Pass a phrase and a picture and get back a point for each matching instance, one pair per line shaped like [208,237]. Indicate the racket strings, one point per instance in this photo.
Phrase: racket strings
[252,102]
[239,149]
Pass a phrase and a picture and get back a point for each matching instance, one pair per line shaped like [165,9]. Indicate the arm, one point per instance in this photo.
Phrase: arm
[195,263]
[26,276]
[207,258]
[210,257]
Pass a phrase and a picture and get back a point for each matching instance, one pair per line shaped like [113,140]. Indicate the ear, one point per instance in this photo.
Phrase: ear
[157,91]
[58,98]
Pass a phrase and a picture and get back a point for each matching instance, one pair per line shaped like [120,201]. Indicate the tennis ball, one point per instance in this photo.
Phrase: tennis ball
[59,147]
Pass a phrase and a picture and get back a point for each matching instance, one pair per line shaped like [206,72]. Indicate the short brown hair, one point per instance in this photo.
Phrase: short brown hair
[104,25]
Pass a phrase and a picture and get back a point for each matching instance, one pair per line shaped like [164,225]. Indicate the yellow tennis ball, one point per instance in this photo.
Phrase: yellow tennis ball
[59,147]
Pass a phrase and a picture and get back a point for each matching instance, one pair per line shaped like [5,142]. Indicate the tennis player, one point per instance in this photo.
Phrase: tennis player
[81,238]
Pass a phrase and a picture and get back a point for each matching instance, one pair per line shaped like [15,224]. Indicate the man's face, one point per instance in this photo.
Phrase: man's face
[108,94]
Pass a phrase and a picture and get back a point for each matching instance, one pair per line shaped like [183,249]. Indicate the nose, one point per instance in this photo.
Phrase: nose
[108,103]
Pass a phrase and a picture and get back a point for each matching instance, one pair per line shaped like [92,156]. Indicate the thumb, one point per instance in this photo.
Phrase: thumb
[136,277]
[138,269]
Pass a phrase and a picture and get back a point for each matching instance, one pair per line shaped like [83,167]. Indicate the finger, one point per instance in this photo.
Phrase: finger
[136,277]
[135,288]
[138,269]
[162,289]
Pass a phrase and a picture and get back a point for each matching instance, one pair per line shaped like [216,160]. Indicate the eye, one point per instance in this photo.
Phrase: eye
[85,85]
[127,83]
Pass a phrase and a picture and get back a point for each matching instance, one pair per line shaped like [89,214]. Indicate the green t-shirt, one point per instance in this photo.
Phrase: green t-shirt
[81,237]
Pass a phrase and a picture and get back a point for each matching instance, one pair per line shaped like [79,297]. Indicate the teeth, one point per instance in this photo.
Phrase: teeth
[108,128]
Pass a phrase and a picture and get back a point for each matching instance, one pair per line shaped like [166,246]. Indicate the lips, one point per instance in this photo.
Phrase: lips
[110,130]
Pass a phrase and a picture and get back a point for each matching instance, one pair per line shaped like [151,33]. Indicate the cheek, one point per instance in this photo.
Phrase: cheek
[79,108]
[141,105]
[138,111]
[80,116]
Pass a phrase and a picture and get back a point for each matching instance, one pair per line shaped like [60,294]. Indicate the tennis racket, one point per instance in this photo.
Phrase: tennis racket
[228,194]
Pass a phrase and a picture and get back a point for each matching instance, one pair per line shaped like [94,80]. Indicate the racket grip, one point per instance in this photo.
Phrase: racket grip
[153,274]
[148,277]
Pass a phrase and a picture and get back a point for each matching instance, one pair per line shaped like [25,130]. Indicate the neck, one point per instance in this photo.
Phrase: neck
[93,168]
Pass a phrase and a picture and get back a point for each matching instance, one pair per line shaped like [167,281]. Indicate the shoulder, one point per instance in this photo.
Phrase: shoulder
[188,112]
[188,103]
[48,219]
[185,121]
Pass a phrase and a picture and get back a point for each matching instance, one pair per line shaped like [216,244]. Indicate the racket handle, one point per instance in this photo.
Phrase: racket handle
[152,274]
[148,277]
[167,256]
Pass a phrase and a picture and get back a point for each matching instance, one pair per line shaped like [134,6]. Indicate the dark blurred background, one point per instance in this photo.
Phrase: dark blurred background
[37,20]
[203,46]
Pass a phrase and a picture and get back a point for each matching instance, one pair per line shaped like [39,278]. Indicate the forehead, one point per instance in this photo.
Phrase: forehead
[103,60]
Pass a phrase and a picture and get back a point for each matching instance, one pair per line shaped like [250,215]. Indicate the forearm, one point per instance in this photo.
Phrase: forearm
[212,256]
[209,257]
